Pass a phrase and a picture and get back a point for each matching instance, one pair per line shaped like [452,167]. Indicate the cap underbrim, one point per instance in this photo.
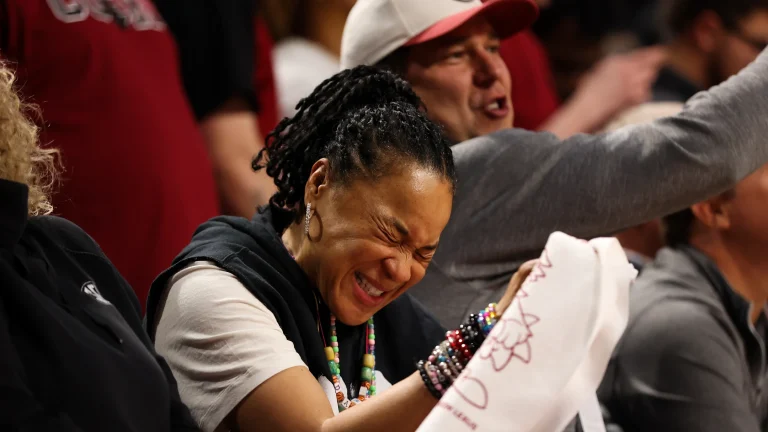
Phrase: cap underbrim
[507,17]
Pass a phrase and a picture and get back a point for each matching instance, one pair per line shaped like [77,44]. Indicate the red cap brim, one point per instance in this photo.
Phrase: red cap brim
[507,17]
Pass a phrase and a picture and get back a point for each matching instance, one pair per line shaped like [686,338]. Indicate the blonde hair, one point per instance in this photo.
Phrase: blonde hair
[22,160]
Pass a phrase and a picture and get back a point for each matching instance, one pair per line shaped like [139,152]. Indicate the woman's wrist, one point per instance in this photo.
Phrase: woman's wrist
[450,357]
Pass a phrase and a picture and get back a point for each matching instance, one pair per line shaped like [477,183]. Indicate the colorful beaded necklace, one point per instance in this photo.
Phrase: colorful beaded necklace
[367,373]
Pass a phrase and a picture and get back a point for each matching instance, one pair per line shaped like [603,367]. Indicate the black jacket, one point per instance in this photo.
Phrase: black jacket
[254,253]
[73,354]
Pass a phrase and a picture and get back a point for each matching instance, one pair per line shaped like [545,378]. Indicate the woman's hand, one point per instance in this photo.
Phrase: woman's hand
[514,285]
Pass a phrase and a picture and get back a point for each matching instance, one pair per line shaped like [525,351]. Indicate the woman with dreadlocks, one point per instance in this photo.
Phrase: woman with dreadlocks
[263,322]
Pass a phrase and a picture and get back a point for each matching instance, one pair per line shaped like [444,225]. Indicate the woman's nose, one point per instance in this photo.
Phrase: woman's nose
[398,268]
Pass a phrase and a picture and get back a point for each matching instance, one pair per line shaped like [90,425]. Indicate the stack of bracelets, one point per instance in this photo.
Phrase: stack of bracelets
[452,355]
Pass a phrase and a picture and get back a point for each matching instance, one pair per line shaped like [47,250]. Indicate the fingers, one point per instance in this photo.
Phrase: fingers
[525,270]
[640,69]
[514,285]
[619,82]
[640,86]
[653,56]
[647,62]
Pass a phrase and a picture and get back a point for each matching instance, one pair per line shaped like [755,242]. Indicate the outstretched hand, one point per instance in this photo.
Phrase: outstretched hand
[615,84]
[514,285]
[621,81]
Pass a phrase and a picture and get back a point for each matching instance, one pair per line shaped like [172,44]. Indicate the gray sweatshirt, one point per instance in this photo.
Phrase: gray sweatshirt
[516,187]
[690,359]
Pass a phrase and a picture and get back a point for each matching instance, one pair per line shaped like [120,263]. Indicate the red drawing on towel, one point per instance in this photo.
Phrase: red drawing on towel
[538,271]
[472,390]
[509,339]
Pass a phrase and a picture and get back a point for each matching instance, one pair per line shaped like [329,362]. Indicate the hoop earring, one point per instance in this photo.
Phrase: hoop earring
[307,218]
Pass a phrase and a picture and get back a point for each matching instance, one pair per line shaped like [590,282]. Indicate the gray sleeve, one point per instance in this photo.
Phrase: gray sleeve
[677,369]
[516,187]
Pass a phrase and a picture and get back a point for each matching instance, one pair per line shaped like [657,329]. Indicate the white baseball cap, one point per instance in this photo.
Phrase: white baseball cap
[376,28]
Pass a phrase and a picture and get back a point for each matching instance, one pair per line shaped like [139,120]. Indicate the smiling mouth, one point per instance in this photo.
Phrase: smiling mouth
[367,287]
[497,104]
[499,108]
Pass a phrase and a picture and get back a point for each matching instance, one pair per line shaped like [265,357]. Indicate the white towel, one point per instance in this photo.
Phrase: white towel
[545,358]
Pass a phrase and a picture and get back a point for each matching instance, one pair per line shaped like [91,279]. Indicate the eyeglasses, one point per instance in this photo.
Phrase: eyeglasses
[759,45]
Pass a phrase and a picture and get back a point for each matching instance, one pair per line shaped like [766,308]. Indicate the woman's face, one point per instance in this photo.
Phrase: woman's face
[372,240]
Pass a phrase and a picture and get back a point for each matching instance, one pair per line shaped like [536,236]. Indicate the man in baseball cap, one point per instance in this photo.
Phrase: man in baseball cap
[449,51]
[386,31]
[517,187]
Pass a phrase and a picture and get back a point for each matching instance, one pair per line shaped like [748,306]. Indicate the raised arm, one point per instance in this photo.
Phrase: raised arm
[216,49]
[516,187]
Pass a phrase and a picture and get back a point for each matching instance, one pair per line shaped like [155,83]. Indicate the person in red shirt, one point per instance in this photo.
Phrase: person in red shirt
[104,74]
[264,78]
[216,42]
[536,100]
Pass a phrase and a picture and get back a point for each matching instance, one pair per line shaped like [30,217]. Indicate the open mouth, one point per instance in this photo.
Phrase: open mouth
[498,108]
[367,287]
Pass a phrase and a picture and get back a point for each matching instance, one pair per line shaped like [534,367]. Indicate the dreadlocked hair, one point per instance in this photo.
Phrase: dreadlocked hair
[365,121]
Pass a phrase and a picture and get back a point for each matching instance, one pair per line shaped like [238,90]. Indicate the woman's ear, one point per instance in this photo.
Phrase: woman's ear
[319,180]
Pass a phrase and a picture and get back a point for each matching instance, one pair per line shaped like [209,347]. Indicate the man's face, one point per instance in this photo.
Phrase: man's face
[748,214]
[739,47]
[463,81]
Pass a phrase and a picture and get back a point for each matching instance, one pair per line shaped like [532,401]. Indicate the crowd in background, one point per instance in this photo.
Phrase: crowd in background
[159,108]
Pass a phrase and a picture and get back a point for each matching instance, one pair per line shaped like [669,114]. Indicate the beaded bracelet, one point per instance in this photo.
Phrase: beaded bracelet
[451,356]
[428,382]
[470,334]
[444,364]
[461,346]
[487,319]
[450,360]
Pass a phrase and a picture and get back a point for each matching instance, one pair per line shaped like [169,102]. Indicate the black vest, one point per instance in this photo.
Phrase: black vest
[253,251]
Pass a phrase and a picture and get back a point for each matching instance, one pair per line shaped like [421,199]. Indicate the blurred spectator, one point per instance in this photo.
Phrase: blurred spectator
[572,39]
[308,33]
[533,86]
[709,40]
[612,86]
[578,33]
[216,46]
[693,356]
[641,242]
[264,77]
[105,75]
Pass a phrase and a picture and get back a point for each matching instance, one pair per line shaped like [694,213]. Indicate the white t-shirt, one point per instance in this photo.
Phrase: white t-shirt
[300,66]
[221,343]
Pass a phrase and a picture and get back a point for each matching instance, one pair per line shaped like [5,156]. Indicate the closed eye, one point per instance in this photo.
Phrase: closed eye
[389,238]
[425,256]
[426,253]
